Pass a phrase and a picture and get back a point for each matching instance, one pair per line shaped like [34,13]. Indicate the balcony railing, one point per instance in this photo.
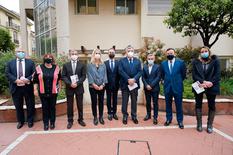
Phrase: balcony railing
[13,26]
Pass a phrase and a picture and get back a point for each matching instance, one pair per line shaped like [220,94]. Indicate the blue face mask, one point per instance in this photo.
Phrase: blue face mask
[20,55]
[205,55]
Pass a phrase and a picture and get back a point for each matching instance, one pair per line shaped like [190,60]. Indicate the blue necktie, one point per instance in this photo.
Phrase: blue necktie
[112,66]
[171,68]
[131,64]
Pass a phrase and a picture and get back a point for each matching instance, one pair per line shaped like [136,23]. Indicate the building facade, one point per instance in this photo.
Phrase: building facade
[10,21]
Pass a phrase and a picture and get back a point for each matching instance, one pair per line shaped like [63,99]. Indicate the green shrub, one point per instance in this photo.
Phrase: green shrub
[6,43]
[226,86]
[4,58]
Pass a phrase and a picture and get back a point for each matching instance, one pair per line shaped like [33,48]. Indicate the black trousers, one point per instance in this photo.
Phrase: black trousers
[125,99]
[70,105]
[154,96]
[21,94]
[97,96]
[49,108]
[210,98]
[112,101]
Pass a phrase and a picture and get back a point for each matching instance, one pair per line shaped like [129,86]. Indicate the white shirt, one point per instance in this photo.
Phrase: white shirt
[113,62]
[23,65]
[171,61]
[150,68]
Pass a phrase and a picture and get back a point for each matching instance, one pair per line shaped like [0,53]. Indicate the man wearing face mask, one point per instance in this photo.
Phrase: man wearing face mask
[130,71]
[74,74]
[151,78]
[19,72]
[173,72]
[113,84]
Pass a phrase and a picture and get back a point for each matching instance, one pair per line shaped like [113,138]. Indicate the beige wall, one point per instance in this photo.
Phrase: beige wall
[104,29]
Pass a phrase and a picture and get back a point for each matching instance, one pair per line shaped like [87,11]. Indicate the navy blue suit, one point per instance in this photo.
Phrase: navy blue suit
[173,87]
[128,71]
[112,86]
[152,79]
[23,92]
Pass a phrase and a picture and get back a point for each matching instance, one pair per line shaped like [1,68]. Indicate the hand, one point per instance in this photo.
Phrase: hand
[202,85]
[131,81]
[18,81]
[25,80]
[208,84]
[101,87]
[73,85]
[96,87]
[148,87]
[36,92]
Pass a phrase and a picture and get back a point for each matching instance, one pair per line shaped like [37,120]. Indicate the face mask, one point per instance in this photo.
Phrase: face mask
[48,60]
[111,56]
[150,62]
[205,55]
[20,55]
[97,56]
[170,57]
[130,54]
[74,57]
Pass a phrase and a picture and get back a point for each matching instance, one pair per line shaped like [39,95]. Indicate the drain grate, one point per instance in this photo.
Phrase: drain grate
[128,147]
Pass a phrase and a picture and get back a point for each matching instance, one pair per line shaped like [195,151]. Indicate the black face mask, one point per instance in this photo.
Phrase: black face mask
[111,56]
[170,57]
[48,61]
[205,59]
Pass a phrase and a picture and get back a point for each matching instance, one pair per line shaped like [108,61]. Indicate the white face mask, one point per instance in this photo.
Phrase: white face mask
[97,56]
[130,54]
[74,57]
[150,62]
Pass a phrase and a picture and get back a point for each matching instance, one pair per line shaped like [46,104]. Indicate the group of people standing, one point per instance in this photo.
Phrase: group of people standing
[110,76]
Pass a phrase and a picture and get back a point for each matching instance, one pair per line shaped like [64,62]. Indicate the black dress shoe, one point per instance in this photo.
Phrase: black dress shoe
[125,120]
[135,120]
[155,121]
[82,123]
[30,125]
[95,121]
[110,117]
[181,125]
[46,127]
[20,125]
[147,117]
[167,123]
[101,120]
[69,125]
[52,126]
[115,117]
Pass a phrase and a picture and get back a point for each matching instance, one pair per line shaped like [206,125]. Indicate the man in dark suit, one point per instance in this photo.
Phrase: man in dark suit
[130,71]
[113,84]
[19,72]
[173,72]
[151,78]
[74,74]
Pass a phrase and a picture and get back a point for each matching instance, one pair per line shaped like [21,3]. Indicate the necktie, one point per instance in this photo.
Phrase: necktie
[171,68]
[20,71]
[131,64]
[112,66]
[73,67]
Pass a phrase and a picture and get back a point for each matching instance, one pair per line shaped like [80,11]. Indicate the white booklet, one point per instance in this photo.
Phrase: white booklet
[74,78]
[197,88]
[135,85]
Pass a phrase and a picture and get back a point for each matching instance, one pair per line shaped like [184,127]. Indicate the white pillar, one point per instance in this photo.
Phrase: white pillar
[63,34]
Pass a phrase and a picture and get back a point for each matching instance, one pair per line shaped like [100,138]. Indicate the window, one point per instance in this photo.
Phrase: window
[15,37]
[125,7]
[87,7]
[158,7]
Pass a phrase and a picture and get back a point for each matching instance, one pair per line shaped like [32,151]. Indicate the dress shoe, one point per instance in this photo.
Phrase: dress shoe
[20,125]
[69,125]
[95,121]
[101,120]
[147,117]
[82,123]
[52,126]
[30,125]
[110,117]
[181,125]
[155,121]
[115,117]
[46,127]
[167,123]
[135,120]
[125,120]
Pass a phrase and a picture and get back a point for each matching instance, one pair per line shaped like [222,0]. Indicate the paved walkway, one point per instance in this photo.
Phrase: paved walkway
[115,138]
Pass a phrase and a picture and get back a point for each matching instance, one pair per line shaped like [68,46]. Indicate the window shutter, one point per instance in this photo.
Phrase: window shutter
[160,7]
